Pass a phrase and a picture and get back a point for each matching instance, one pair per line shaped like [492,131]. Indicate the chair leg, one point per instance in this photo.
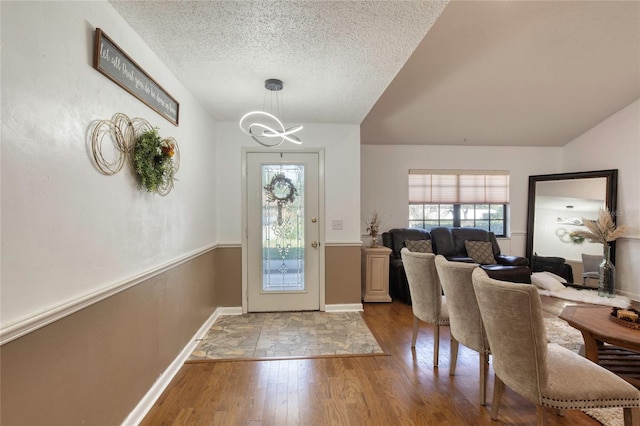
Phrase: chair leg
[436,344]
[484,371]
[631,416]
[453,346]
[416,324]
[539,415]
[498,386]
[561,412]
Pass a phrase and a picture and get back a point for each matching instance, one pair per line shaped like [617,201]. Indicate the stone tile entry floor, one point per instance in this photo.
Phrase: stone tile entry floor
[286,335]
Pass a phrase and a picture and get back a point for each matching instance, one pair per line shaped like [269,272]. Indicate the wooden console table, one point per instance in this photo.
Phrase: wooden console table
[622,354]
[375,274]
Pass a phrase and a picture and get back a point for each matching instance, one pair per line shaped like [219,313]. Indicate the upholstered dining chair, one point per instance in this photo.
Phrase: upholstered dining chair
[544,373]
[464,315]
[427,302]
[590,266]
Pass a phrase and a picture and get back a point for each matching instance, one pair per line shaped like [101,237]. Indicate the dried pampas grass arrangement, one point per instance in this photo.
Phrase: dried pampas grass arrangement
[603,230]
[373,227]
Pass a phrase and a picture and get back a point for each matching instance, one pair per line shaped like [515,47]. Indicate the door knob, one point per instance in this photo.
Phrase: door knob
[314,244]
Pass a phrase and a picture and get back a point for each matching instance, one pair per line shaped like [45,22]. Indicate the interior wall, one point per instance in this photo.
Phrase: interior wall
[385,170]
[229,273]
[341,144]
[69,231]
[342,271]
[94,366]
[615,144]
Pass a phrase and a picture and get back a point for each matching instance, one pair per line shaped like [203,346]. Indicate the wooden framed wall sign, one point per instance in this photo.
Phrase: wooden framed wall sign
[118,67]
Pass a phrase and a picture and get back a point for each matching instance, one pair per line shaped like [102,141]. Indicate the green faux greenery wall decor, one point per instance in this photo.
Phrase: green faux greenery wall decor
[153,161]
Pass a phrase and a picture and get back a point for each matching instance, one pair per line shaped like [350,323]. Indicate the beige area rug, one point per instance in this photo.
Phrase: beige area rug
[558,331]
[281,335]
[587,296]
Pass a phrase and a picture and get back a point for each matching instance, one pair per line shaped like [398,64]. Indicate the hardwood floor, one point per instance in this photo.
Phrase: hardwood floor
[402,388]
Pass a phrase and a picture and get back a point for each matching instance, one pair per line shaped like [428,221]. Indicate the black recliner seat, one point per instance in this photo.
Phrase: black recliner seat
[395,240]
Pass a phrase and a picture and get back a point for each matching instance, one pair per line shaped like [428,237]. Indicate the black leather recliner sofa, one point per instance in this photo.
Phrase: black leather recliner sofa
[556,265]
[394,239]
[449,242]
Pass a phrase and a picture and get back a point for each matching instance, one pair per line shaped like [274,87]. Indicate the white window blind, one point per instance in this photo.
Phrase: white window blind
[456,187]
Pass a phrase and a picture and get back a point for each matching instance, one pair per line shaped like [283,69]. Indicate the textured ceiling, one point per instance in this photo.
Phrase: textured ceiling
[334,57]
[517,73]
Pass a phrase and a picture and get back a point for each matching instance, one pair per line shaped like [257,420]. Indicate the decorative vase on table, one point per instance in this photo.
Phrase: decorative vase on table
[606,274]
[374,240]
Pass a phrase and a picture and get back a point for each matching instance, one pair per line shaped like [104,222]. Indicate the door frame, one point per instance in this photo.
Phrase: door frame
[245,217]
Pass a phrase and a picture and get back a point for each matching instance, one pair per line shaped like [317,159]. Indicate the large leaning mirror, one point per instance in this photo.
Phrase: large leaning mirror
[558,203]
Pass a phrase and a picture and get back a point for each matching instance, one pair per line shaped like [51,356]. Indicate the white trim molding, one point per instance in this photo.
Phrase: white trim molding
[229,244]
[40,319]
[232,310]
[343,244]
[346,307]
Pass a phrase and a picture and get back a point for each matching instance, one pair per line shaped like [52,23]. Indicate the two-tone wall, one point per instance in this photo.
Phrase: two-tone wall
[95,365]
[102,285]
[340,173]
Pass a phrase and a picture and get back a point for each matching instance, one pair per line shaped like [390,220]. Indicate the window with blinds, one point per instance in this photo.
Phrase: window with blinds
[459,198]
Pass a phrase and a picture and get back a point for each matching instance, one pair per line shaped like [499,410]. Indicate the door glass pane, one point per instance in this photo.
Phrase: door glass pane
[283,227]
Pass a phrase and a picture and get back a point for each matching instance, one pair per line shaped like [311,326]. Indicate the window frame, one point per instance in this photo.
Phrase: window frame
[450,188]
[456,220]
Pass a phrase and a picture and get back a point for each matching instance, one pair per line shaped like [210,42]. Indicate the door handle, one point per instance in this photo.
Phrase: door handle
[314,244]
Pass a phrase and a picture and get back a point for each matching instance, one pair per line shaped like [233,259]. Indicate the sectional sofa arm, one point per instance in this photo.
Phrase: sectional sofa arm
[512,260]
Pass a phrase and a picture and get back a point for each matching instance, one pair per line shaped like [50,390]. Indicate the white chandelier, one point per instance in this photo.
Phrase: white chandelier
[270,131]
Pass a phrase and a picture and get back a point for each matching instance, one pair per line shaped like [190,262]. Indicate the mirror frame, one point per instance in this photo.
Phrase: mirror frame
[611,199]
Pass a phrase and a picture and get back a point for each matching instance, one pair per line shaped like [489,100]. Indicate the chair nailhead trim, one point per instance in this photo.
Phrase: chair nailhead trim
[590,403]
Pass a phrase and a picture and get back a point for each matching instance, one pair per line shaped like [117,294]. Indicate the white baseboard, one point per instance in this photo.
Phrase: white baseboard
[146,403]
[347,307]
[234,310]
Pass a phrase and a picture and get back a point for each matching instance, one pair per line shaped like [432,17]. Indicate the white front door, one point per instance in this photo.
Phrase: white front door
[283,248]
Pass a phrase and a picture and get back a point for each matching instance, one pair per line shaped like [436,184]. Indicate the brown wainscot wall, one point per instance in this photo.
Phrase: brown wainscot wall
[342,275]
[94,366]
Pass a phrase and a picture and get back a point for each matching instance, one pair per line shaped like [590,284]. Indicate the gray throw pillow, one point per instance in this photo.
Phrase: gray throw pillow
[420,246]
[480,251]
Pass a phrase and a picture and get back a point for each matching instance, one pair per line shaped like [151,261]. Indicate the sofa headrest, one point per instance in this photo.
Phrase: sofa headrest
[443,241]
[460,235]
[396,237]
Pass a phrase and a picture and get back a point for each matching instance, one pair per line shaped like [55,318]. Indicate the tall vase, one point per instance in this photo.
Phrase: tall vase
[374,240]
[607,275]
